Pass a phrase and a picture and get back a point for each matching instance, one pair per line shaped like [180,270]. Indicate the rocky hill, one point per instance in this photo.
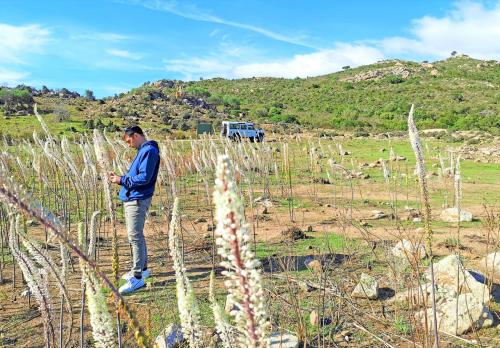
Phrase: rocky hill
[459,93]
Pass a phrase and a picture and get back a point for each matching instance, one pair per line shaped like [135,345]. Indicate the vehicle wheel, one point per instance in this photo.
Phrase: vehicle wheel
[260,138]
[252,139]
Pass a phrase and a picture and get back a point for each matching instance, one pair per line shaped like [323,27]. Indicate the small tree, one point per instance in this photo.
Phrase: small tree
[346,67]
[89,94]
[453,53]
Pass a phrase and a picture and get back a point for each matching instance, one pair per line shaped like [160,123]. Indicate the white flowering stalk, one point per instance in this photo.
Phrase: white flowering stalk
[222,324]
[93,233]
[420,169]
[242,269]
[89,165]
[100,318]
[14,196]
[417,149]
[103,161]
[385,172]
[36,283]
[43,258]
[43,124]
[186,301]
[457,185]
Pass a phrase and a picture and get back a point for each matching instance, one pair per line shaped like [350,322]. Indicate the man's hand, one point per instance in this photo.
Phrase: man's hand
[114,178]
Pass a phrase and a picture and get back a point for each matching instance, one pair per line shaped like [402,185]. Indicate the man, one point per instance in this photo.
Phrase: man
[136,193]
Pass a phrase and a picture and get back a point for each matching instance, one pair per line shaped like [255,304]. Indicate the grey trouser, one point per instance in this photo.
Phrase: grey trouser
[135,215]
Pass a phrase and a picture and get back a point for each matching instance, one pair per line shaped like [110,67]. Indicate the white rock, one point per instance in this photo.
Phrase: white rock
[170,337]
[471,313]
[366,288]
[491,262]
[406,249]
[230,306]
[284,340]
[450,273]
[377,214]
[423,294]
[451,215]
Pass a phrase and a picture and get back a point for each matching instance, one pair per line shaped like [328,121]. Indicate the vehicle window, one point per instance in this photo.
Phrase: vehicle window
[250,126]
[243,126]
[233,126]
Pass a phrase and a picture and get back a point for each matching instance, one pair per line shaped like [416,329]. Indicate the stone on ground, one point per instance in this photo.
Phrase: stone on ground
[315,266]
[377,214]
[284,340]
[406,249]
[366,288]
[314,318]
[170,337]
[450,273]
[423,294]
[451,215]
[472,313]
[491,262]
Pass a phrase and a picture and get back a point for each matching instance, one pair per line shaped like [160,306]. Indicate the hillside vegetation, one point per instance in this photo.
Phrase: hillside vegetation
[459,93]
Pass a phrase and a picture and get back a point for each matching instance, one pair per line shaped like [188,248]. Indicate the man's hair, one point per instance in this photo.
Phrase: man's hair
[129,131]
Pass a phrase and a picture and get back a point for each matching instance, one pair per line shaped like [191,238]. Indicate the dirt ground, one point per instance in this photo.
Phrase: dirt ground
[20,322]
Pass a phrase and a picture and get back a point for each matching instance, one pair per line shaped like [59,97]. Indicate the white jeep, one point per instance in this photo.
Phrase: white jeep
[239,130]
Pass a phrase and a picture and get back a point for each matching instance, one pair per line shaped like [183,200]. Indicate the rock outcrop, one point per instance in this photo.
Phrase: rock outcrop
[366,288]
[451,215]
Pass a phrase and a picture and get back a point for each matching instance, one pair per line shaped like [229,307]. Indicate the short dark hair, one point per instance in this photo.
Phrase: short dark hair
[132,130]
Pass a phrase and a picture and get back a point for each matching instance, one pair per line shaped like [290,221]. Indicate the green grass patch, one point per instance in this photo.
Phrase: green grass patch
[324,242]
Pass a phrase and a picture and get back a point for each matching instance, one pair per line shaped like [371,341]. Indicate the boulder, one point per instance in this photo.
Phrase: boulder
[406,249]
[377,214]
[491,262]
[314,318]
[472,313]
[170,337]
[450,273]
[366,288]
[423,294]
[451,215]
[284,340]
[315,266]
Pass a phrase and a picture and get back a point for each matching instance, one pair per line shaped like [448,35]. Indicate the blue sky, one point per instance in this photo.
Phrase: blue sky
[111,46]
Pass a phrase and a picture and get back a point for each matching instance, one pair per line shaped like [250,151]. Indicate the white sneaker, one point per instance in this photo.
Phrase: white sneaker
[130,274]
[131,285]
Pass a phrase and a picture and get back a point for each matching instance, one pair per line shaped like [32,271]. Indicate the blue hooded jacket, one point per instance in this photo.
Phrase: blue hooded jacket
[140,180]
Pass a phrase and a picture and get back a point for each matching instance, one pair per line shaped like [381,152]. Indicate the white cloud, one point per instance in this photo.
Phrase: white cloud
[192,12]
[470,28]
[302,65]
[100,36]
[192,68]
[123,54]
[16,42]
[313,64]
[12,77]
